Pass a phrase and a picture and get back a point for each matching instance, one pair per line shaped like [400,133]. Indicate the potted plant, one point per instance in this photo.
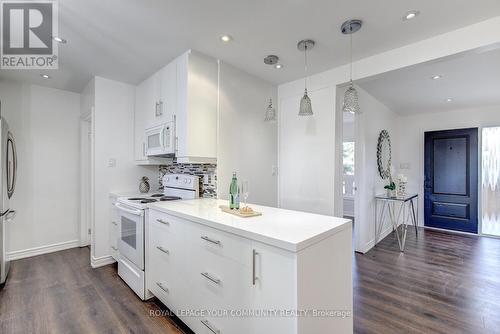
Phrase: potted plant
[391,189]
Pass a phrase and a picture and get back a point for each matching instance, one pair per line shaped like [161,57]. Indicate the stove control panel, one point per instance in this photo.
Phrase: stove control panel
[182,181]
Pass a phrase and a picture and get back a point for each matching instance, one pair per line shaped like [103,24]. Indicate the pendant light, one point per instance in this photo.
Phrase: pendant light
[272,60]
[351,101]
[270,112]
[305,102]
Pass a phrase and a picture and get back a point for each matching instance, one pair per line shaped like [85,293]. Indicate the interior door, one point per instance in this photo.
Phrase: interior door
[451,180]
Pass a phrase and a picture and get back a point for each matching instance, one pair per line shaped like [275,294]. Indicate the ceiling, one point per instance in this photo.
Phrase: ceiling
[470,80]
[127,40]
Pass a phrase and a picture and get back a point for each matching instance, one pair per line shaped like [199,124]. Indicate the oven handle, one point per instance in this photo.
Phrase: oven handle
[131,211]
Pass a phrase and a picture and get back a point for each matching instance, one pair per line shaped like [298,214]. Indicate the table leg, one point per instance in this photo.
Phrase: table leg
[414,217]
[394,225]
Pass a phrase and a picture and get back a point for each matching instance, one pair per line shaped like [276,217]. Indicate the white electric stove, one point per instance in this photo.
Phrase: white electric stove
[133,213]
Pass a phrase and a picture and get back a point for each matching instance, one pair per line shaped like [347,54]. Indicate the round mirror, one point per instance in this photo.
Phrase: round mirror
[384,154]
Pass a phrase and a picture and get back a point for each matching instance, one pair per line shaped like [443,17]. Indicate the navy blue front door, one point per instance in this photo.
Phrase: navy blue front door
[451,179]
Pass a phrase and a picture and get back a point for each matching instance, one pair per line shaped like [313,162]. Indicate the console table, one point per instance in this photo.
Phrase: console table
[406,210]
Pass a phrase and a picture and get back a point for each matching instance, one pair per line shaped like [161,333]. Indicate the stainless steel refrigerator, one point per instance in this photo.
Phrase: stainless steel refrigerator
[8,171]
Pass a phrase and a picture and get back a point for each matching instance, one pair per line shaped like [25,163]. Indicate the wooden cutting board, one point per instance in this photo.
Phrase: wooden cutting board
[238,213]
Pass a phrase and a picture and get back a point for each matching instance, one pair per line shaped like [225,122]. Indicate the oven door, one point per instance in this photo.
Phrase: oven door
[160,140]
[131,242]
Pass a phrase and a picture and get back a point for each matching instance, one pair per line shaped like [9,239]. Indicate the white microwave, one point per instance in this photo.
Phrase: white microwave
[160,140]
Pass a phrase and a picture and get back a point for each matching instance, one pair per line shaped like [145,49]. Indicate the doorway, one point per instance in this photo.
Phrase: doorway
[451,180]
[86,177]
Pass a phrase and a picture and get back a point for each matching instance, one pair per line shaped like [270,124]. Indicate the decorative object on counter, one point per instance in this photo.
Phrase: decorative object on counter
[234,193]
[245,212]
[402,182]
[270,112]
[384,158]
[351,101]
[391,189]
[207,175]
[144,186]
[305,102]
[245,192]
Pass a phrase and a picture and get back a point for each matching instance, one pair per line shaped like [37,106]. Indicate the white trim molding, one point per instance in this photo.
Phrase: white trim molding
[21,254]
[96,262]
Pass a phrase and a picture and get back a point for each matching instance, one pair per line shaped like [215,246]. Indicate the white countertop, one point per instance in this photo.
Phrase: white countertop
[290,230]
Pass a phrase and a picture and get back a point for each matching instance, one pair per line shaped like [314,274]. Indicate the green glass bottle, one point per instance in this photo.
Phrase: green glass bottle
[233,192]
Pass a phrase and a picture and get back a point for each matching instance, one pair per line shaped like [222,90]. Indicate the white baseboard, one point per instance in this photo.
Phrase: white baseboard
[97,262]
[369,245]
[21,254]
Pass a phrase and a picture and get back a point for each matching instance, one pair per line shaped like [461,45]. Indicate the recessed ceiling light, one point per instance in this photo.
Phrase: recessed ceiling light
[411,15]
[436,77]
[45,76]
[278,66]
[226,38]
[449,99]
[60,40]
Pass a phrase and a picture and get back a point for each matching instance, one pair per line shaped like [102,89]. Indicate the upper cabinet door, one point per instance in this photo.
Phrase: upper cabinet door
[144,107]
[168,93]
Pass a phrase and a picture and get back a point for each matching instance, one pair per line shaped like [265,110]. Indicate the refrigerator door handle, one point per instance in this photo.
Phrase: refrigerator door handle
[11,179]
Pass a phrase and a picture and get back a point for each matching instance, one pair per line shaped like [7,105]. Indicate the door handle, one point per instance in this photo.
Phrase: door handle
[161,249]
[254,269]
[211,278]
[210,327]
[206,238]
[131,211]
[160,285]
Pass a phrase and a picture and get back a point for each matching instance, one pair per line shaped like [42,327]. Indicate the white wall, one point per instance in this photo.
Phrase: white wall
[45,124]
[374,118]
[113,123]
[246,144]
[308,153]
[411,139]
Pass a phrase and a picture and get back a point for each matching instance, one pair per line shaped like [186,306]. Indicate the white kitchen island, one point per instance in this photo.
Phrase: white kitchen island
[283,272]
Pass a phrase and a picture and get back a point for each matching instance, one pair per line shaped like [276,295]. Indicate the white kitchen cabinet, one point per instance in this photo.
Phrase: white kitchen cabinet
[184,92]
[114,230]
[207,268]
[196,114]
[151,109]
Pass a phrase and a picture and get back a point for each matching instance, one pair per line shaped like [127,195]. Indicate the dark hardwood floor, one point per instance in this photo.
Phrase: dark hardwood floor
[61,293]
[443,283]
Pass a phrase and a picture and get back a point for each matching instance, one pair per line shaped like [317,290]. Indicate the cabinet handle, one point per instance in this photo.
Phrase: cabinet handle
[114,223]
[254,274]
[210,327]
[161,249]
[162,287]
[211,278]
[156,109]
[144,149]
[164,222]
[216,242]
[160,107]
[114,248]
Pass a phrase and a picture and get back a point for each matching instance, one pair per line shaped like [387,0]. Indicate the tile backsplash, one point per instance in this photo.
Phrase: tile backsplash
[206,172]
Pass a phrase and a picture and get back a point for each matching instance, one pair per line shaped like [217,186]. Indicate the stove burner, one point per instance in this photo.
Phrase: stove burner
[136,198]
[157,195]
[148,200]
[169,198]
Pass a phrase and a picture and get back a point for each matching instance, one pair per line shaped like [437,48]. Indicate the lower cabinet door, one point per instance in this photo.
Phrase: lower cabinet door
[274,289]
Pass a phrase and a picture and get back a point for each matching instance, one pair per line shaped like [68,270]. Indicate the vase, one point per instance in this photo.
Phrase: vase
[144,185]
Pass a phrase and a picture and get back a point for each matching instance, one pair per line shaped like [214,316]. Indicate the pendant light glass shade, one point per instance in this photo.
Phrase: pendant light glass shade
[270,112]
[351,101]
[305,105]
